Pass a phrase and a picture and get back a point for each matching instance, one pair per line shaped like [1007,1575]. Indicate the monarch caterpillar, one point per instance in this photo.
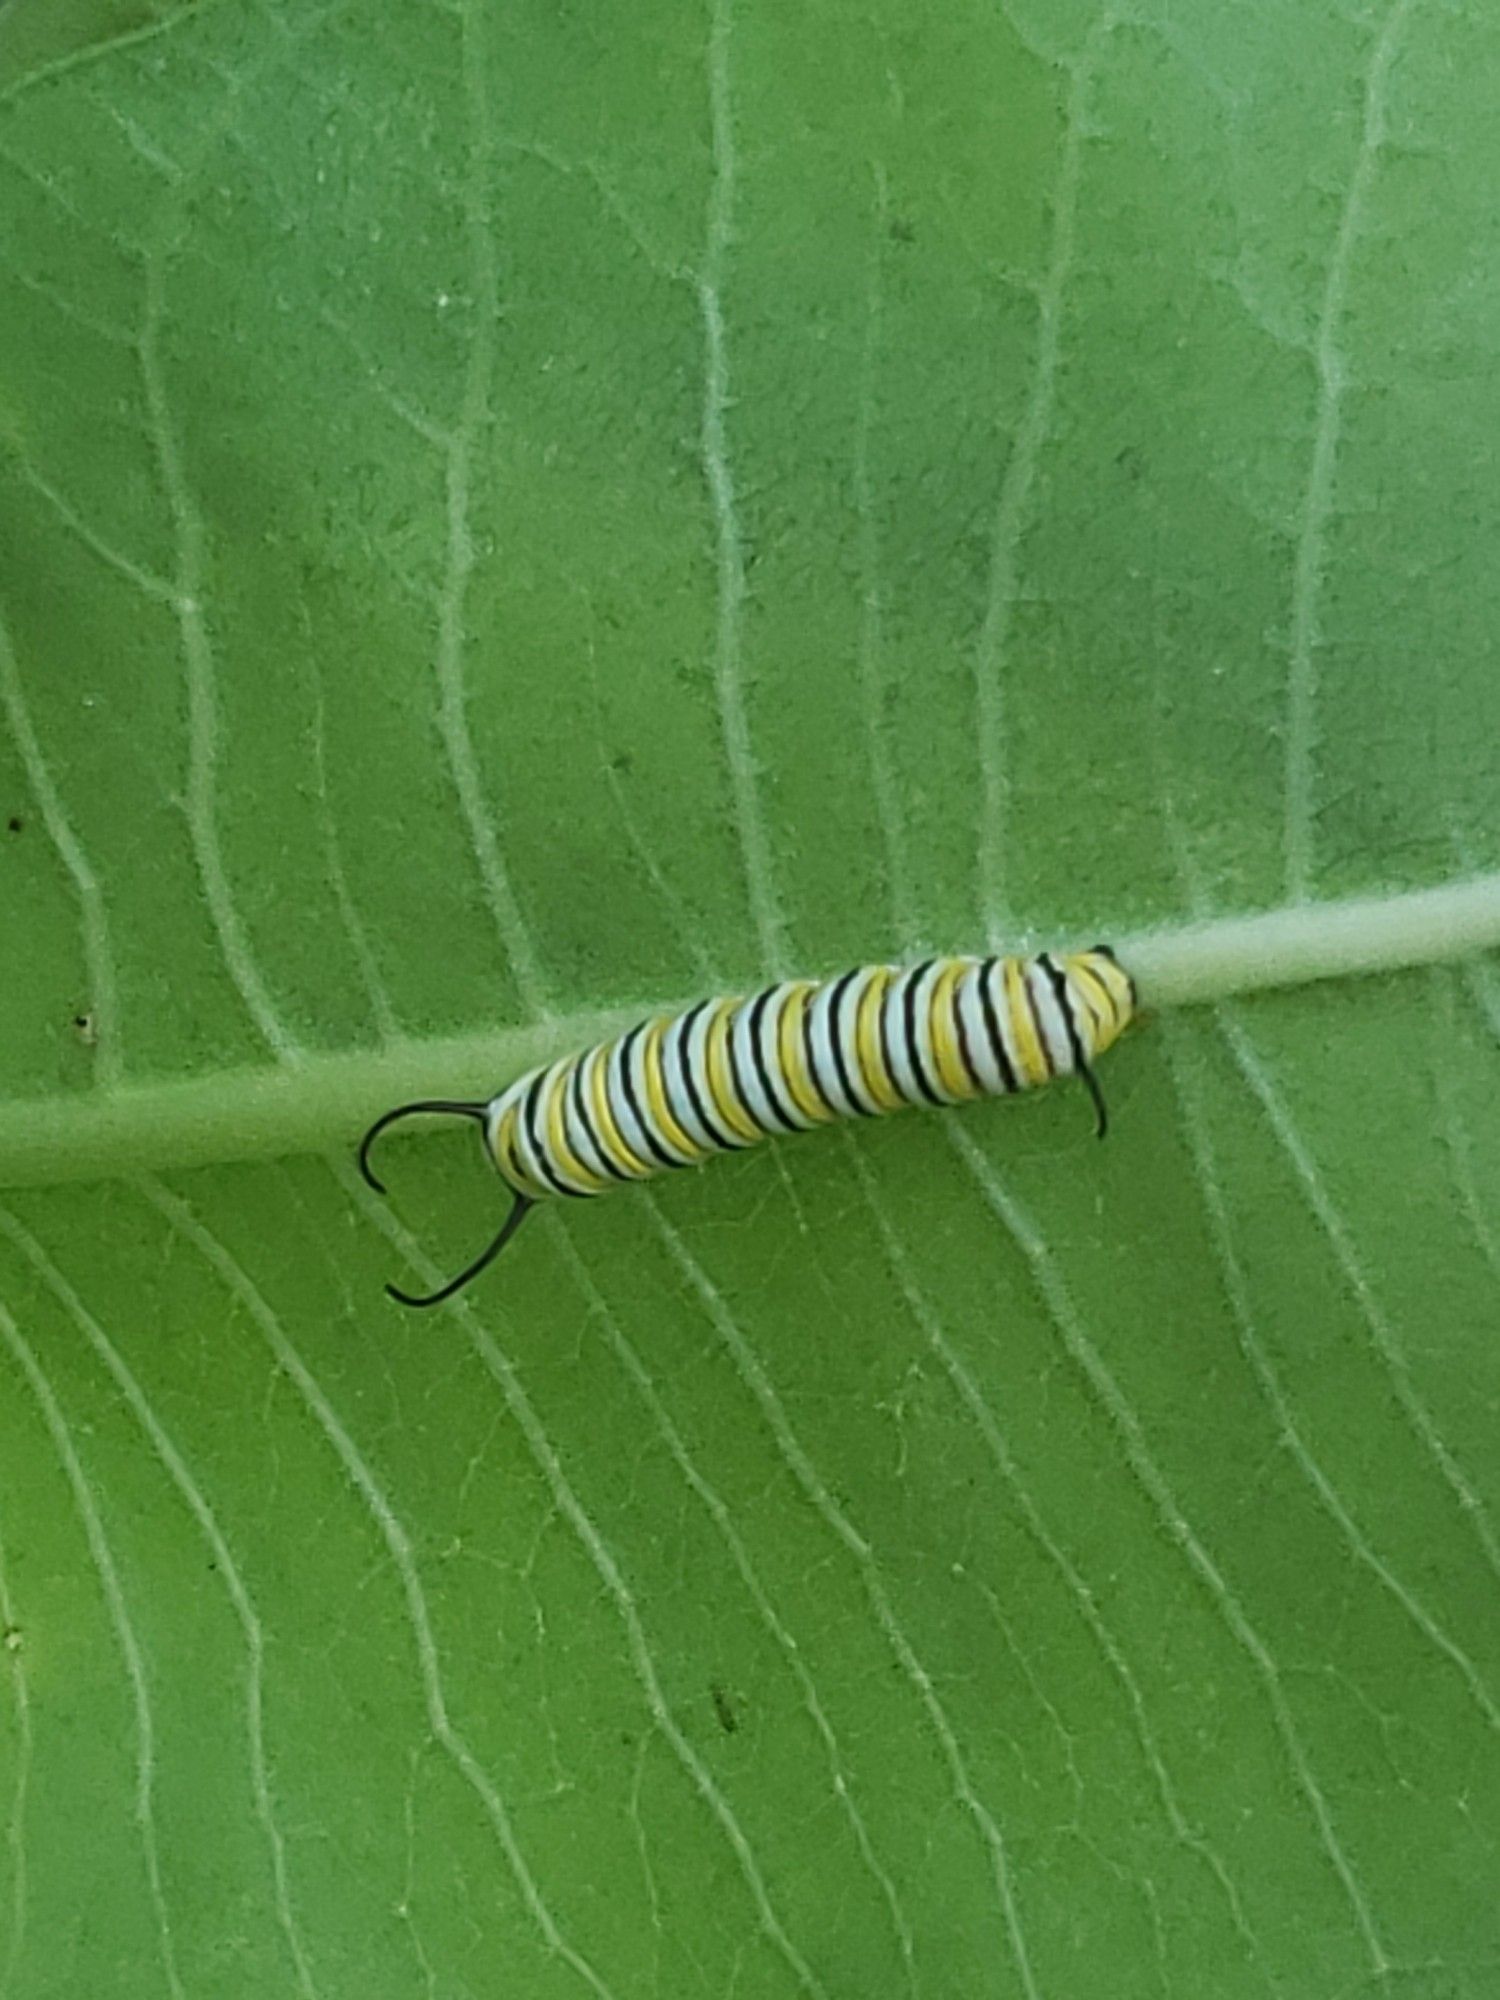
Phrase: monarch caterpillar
[678,1088]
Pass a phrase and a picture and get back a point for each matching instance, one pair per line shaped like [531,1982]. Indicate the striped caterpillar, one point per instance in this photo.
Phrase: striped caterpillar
[677,1089]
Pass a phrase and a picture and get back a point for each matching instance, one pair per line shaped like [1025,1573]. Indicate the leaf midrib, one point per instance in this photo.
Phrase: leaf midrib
[321,1102]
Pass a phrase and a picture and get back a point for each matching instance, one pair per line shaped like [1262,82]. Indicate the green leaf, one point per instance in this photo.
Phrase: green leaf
[516,515]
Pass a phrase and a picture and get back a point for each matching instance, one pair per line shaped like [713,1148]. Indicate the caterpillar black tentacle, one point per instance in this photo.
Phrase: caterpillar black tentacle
[446,1105]
[678,1089]
[519,1209]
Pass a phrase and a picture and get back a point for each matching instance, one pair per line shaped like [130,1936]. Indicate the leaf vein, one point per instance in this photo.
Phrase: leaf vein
[718,1512]
[1382,1335]
[201,803]
[1127,1425]
[1052,1552]
[1267,1378]
[186,1224]
[549,1464]
[98,948]
[12,1643]
[225,1565]
[1013,508]
[728,656]
[453,709]
[102,1556]
[1317,501]
[754,1376]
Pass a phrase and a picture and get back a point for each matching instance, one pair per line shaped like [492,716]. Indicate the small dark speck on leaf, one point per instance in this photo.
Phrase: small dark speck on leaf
[15,823]
[902,231]
[729,1722]
[10,1638]
[624,764]
[86,1029]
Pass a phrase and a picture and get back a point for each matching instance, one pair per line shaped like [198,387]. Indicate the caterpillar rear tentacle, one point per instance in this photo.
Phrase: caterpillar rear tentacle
[677,1089]
[519,1209]
[446,1105]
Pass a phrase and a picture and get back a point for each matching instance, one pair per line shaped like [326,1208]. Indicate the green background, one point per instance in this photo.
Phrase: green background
[517,510]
